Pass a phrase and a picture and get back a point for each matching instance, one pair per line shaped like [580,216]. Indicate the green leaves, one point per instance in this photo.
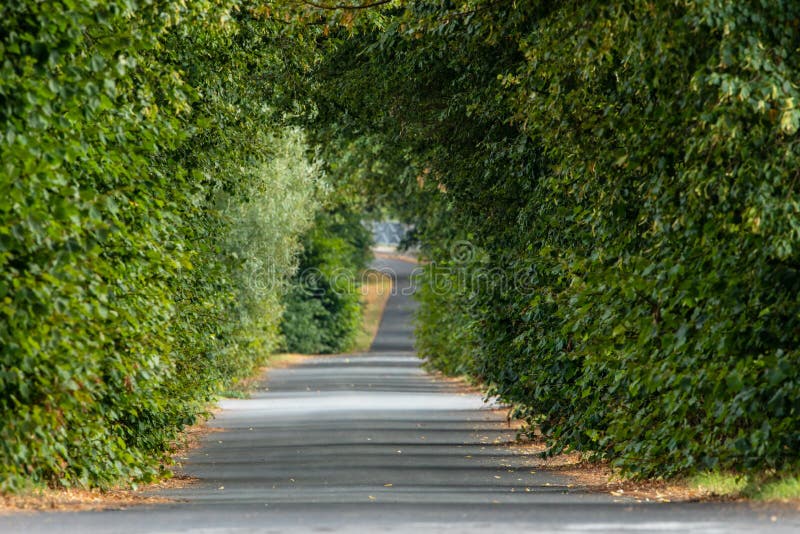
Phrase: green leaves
[323,306]
[642,161]
[152,201]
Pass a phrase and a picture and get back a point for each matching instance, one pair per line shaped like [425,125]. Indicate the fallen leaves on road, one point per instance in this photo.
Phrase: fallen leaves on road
[74,500]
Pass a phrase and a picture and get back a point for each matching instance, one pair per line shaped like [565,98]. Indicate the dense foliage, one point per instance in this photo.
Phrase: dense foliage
[608,192]
[323,309]
[151,203]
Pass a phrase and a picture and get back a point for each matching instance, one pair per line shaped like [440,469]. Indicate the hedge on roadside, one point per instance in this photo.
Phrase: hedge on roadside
[323,306]
[151,203]
[633,165]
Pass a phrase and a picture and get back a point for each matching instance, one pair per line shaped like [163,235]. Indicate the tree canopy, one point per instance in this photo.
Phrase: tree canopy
[607,193]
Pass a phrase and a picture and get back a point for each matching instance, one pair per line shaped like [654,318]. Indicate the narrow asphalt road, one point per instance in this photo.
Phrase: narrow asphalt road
[371,443]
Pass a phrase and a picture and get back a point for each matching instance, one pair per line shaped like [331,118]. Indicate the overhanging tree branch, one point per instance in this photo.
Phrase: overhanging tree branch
[347,6]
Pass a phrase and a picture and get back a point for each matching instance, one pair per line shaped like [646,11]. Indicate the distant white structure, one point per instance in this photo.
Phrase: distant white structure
[388,233]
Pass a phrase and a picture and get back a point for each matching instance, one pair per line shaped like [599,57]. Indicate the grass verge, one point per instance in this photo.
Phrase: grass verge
[375,292]
[73,500]
[760,487]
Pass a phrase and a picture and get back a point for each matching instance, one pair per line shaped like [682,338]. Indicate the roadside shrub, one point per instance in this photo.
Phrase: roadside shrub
[323,308]
[149,219]
[636,163]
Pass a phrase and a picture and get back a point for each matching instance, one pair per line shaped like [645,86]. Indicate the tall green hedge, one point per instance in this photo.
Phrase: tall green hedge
[151,202]
[625,174]
[323,307]
[610,190]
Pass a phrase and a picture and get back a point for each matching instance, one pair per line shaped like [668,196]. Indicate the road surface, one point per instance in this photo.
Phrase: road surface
[371,443]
